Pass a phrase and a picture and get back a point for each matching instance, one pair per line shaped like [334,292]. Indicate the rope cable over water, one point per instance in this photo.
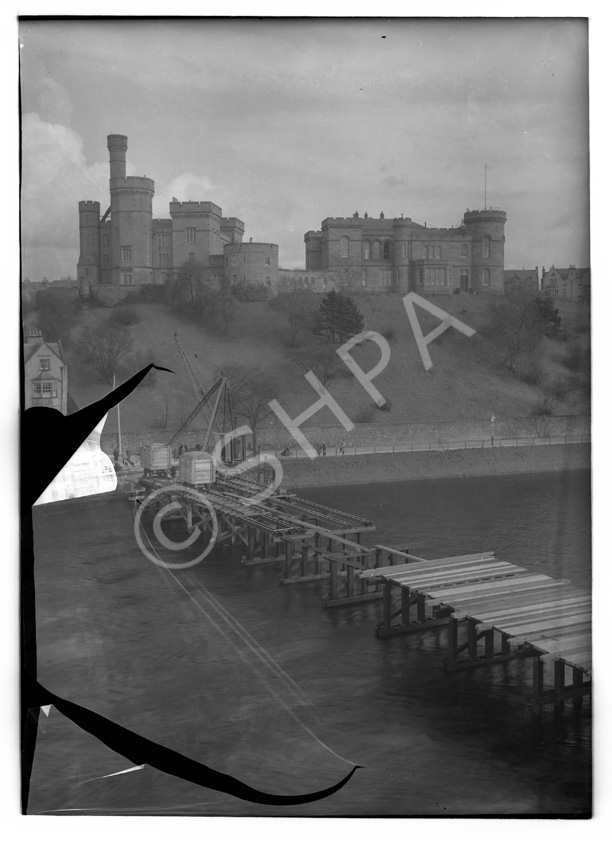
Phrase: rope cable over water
[259,651]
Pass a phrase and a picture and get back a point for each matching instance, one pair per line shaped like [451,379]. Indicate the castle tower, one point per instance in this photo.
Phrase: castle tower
[487,265]
[131,219]
[88,267]
[402,236]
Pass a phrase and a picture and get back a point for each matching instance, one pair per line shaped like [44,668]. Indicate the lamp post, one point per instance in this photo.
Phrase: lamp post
[492,430]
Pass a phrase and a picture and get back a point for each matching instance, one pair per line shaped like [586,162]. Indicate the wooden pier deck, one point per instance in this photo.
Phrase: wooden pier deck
[492,610]
[505,611]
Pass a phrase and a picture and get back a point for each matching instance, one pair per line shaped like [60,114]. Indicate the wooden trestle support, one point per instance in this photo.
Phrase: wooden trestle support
[495,612]
[309,541]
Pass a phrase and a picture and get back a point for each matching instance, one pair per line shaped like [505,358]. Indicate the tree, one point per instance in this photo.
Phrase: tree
[251,391]
[339,317]
[57,313]
[346,280]
[323,361]
[548,317]
[516,325]
[298,306]
[104,348]
[190,285]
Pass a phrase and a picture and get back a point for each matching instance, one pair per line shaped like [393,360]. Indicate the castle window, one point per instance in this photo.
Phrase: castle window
[385,278]
[364,278]
[420,275]
[427,276]
[127,278]
[47,391]
[344,246]
[268,261]
[486,277]
[126,254]
[36,391]
[376,250]
[438,252]
[45,364]
[397,276]
[104,239]
[404,250]
[243,259]
[464,249]
[386,250]
[486,246]
[191,234]
[366,250]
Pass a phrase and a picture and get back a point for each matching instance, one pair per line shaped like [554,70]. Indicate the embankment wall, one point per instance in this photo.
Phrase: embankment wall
[403,466]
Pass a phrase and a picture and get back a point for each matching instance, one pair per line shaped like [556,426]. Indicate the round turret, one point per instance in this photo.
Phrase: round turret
[117,148]
[251,263]
[486,228]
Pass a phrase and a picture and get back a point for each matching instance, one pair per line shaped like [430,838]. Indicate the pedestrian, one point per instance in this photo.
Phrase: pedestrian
[198,447]
[181,449]
[115,454]
[342,447]
[323,449]
[128,457]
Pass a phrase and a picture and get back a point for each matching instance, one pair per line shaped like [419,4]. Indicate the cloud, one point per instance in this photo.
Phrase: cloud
[55,177]
[185,187]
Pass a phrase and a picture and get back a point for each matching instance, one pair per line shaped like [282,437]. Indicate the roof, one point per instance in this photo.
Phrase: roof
[564,273]
[30,349]
[521,274]
[45,375]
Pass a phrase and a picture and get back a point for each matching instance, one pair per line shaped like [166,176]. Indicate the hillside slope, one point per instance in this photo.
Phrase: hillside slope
[465,383]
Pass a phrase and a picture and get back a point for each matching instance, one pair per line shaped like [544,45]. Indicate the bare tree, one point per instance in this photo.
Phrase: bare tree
[346,280]
[104,348]
[251,392]
[515,324]
[323,361]
[298,305]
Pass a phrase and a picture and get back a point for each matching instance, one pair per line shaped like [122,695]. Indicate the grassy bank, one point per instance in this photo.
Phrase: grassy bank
[402,466]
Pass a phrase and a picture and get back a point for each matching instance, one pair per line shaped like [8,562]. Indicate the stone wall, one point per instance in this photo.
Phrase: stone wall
[275,436]
[460,463]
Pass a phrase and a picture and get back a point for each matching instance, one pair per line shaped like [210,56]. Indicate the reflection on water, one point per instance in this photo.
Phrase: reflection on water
[255,679]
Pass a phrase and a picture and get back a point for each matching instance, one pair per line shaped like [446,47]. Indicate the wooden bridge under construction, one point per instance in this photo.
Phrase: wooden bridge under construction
[491,610]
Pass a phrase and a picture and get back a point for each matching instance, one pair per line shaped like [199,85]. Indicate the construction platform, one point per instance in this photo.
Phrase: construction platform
[494,611]
[310,541]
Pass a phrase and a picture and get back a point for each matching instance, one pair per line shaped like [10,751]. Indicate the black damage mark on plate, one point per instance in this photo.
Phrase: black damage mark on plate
[59,437]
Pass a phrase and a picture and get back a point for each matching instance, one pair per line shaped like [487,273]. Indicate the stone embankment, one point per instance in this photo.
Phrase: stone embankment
[403,466]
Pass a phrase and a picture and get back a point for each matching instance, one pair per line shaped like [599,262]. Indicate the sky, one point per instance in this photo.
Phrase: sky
[284,123]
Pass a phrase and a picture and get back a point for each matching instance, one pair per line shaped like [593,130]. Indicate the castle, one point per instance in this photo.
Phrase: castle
[127,246]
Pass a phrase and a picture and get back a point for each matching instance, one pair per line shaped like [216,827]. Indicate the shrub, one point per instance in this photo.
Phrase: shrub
[559,389]
[389,332]
[366,415]
[251,292]
[544,406]
[124,315]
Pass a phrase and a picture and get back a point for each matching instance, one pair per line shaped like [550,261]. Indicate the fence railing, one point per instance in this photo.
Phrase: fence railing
[433,446]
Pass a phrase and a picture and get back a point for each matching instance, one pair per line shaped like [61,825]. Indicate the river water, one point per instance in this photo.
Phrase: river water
[255,679]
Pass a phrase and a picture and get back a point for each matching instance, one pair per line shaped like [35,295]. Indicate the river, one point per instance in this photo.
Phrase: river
[257,680]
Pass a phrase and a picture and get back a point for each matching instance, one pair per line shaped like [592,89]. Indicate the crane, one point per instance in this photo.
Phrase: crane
[199,389]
